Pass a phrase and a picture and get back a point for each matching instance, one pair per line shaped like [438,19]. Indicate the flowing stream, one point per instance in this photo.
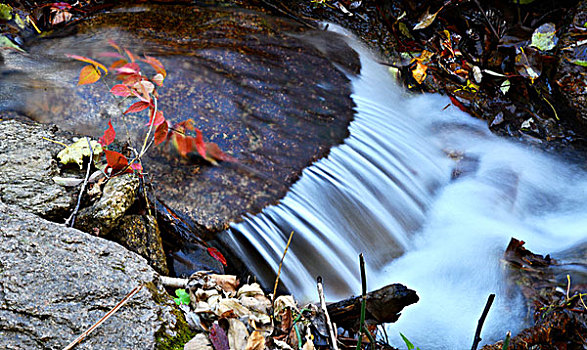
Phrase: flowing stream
[431,197]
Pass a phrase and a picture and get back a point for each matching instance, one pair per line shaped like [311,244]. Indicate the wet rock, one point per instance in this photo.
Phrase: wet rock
[55,282]
[140,234]
[263,88]
[118,195]
[383,306]
[572,67]
[27,168]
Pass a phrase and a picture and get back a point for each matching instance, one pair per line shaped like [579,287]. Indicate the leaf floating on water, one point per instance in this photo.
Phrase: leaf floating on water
[544,37]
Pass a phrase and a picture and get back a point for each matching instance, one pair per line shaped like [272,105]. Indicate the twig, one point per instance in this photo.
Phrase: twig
[487,19]
[279,269]
[506,342]
[481,321]
[326,316]
[173,282]
[151,124]
[104,318]
[363,299]
[71,220]
[368,333]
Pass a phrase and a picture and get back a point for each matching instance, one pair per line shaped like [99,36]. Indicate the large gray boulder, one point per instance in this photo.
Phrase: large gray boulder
[55,282]
[27,168]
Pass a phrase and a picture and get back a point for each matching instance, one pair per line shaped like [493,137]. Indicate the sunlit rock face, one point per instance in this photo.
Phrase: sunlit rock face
[271,93]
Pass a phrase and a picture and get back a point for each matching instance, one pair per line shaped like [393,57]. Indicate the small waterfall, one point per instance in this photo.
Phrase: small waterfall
[421,218]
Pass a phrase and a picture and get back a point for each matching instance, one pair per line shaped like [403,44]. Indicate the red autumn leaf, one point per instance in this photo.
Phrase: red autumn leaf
[88,60]
[200,144]
[108,136]
[118,64]
[129,68]
[214,152]
[183,144]
[458,103]
[159,118]
[116,160]
[217,255]
[156,64]
[161,133]
[88,75]
[130,80]
[121,90]
[137,107]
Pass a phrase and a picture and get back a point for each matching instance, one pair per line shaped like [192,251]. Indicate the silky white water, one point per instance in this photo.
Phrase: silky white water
[388,192]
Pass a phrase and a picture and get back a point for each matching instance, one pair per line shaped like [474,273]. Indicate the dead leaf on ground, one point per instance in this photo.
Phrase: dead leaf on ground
[256,341]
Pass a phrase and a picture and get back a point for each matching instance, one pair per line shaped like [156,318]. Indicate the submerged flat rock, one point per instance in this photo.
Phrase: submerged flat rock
[264,89]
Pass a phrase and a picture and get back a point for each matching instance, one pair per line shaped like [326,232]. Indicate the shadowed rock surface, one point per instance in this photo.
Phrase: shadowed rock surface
[55,282]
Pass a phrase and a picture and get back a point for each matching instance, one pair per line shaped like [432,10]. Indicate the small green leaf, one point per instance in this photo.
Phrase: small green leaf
[5,12]
[408,343]
[183,298]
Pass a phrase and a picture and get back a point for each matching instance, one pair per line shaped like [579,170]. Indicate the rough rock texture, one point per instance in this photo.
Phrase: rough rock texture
[140,234]
[118,195]
[571,70]
[55,282]
[27,166]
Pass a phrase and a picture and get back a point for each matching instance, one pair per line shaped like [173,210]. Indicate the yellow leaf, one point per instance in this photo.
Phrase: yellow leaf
[88,75]
[419,71]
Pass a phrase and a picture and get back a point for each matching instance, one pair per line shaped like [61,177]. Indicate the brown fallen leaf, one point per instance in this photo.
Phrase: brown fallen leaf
[256,341]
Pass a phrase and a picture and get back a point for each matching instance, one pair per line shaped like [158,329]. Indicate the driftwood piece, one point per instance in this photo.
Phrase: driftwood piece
[383,306]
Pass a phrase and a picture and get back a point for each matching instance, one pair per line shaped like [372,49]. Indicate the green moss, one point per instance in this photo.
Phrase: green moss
[182,329]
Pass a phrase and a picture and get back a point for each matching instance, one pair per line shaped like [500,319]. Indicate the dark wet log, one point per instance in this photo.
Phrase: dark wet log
[383,306]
